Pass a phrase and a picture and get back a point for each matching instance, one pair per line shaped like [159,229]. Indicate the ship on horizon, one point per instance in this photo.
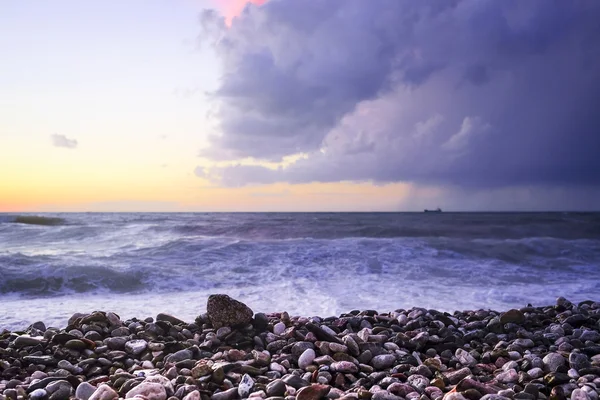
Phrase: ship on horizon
[437,210]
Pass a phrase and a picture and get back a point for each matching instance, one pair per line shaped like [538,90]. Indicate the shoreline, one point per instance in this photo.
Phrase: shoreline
[229,352]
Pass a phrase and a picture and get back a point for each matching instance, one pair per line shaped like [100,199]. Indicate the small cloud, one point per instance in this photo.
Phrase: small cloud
[186,93]
[63,141]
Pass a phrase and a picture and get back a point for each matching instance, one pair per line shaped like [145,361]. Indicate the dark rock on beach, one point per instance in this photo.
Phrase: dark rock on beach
[532,353]
[222,310]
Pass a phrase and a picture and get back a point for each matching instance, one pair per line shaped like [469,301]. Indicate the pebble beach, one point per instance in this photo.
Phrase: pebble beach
[232,352]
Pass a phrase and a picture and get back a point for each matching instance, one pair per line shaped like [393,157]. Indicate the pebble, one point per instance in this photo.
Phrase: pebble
[512,316]
[509,376]
[383,361]
[149,391]
[535,373]
[578,361]
[245,386]
[295,381]
[532,353]
[314,392]
[345,367]
[579,394]
[84,391]
[553,361]
[276,388]
[136,347]
[59,390]
[384,395]
[306,358]
[279,328]
[194,395]
[465,358]
[229,394]
[25,340]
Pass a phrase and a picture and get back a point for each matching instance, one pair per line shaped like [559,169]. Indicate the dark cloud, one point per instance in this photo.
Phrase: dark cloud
[467,93]
[63,141]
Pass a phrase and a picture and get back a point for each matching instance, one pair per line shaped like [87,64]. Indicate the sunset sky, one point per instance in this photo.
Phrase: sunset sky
[299,105]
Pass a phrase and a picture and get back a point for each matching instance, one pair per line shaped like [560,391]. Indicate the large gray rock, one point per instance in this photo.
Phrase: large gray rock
[222,310]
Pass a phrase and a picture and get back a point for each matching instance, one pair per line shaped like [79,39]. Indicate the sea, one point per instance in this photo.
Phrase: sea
[310,264]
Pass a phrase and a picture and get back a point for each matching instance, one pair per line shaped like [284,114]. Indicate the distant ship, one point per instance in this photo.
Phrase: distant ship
[437,210]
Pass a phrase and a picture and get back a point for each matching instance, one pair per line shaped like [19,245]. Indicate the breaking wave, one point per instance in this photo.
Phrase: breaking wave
[321,263]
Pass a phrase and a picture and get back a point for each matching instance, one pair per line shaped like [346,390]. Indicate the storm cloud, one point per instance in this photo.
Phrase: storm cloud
[469,93]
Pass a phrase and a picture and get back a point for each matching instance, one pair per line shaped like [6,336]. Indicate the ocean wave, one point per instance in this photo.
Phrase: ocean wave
[158,254]
[47,279]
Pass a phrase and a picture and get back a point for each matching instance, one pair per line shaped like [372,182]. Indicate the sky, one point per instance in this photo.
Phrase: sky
[299,105]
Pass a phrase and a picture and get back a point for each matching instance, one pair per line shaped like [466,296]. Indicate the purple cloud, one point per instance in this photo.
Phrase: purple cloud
[468,93]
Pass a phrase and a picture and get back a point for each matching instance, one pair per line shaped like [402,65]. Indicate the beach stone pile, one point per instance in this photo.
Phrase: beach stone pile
[227,353]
